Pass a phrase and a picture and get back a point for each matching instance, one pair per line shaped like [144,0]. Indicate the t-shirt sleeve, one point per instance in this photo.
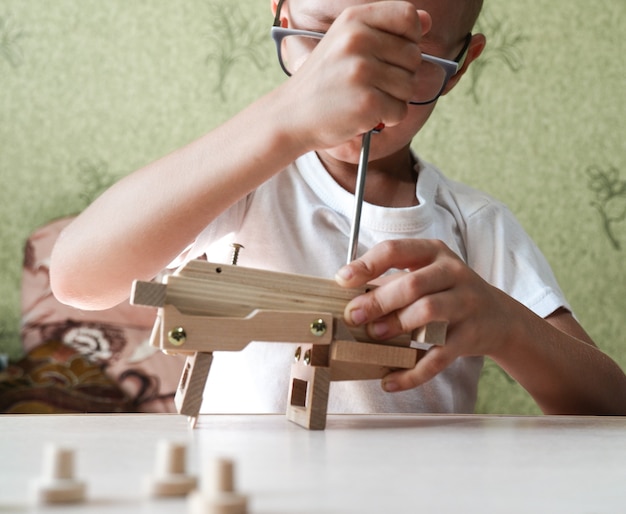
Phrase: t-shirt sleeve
[215,235]
[501,251]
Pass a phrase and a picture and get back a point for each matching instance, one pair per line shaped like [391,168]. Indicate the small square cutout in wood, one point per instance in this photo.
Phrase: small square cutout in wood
[298,392]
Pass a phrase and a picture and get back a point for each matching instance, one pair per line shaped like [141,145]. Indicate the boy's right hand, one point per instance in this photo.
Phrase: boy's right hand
[361,74]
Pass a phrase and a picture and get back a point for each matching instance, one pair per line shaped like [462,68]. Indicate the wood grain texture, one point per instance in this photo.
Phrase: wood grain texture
[190,390]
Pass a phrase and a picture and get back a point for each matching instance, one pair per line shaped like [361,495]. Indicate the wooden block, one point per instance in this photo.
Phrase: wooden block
[313,355]
[307,402]
[433,334]
[354,360]
[368,353]
[151,294]
[188,399]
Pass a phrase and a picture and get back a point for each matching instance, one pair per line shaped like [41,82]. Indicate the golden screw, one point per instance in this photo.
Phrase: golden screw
[318,327]
[177,336]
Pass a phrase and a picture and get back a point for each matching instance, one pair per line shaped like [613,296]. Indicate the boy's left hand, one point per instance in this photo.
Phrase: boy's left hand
[435,286]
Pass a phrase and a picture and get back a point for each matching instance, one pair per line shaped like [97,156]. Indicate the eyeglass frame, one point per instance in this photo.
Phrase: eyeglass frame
[451,68]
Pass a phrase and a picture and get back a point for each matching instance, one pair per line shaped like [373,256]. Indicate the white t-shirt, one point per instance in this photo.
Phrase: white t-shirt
[299,222]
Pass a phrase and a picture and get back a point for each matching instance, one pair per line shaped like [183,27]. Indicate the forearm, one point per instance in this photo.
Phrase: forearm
[560,367]
[139,225]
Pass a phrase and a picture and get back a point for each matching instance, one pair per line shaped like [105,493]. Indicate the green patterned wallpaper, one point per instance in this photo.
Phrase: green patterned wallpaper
[91,90]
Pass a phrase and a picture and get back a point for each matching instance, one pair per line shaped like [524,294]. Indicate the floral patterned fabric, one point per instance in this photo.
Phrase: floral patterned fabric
[55,378]
[84,361]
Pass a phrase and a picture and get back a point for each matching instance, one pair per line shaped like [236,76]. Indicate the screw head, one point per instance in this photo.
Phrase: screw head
[177,336]
[318,327]
[307,357]
[298,354]
[236,249]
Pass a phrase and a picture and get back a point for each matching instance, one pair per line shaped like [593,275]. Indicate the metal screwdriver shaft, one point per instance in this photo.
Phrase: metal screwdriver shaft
[358,197]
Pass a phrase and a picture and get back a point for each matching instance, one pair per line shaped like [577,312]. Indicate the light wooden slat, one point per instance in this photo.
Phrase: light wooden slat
[354,360]
[272,280]
[150,294]
[210,334]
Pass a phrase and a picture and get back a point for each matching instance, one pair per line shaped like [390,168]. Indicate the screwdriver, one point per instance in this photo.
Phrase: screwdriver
[359,191]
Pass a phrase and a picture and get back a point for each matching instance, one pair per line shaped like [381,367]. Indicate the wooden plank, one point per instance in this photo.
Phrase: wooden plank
[188,398]
[150,294]
[357,352]
[192,295]
[354,360]
[209,334]
[272,280]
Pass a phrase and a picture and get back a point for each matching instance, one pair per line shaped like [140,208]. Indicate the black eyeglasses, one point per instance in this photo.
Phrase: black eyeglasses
[294,46]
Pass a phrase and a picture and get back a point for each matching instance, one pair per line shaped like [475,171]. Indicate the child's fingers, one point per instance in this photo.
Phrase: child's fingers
[426,310]
[398,29]
[426,22]
[386,35]
[406,302]
[363,72]
[434,362]
[395,17]
[399,254]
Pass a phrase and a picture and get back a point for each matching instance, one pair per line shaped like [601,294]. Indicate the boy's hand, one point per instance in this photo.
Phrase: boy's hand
[361,74]
[436,286]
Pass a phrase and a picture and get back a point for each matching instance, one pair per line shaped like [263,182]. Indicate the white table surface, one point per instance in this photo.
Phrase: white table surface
[360,464]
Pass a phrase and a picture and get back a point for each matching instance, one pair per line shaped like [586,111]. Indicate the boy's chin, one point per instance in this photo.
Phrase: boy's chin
[348,152]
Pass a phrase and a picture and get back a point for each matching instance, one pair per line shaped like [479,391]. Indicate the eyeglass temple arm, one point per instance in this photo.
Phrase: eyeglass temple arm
[277,17]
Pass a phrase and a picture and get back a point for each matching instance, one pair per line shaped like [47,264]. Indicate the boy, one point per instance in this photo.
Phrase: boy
[287,195]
